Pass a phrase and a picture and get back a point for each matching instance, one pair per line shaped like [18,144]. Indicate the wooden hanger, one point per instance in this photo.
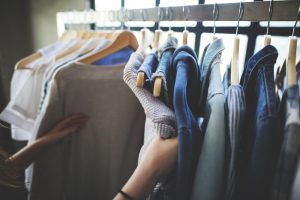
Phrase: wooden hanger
[236,49]
[267,40]
[158,80]
[157,35]
[145,42]
[291,71]
[121,40]
[185,34]
[235,62]
[291,62]
[67,35]
[27,60]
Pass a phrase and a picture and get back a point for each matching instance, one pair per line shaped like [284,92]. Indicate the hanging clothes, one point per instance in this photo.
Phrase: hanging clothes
[160,119]
[163,69]
[290,149]
[26,89]
[93,164]
[73,57]
[24,92]
[186,83]
[235,115]
[209,177]
[149,66]
[295,192]
[261,136]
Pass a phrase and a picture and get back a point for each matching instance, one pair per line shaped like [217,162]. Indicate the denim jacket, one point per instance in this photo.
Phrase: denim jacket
[261,139]
[209,177]
[185,98]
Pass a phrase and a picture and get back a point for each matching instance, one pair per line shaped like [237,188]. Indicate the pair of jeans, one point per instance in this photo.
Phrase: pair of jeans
[290,149]
[149,66]
[163,69]
[261,136]
[209,177]
[185,82]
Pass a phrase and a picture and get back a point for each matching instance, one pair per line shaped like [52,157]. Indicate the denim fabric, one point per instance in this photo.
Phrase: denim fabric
[118,57]
[186,95]
[295,193]
[298,75]
[261,139]
[226,80]
[210,172]
[290,149]
[149,67]
[164,67]
[235,115]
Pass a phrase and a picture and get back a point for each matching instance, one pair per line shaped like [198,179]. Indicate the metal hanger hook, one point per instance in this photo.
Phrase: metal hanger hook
[296,21]
[159,16]
[142,12]
[186,15]
[240,16]
[121,17]
[215,16]
[169,16]
[270,16]
[127,17]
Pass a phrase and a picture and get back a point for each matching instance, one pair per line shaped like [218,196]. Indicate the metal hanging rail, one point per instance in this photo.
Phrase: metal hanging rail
[252,11]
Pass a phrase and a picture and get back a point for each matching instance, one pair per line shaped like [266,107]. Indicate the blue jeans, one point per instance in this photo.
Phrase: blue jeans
[148,67]
[164,66]
[185,98]
[260,140]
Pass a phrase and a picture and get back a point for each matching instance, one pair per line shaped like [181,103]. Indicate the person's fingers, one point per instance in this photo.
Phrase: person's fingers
[75,122]
[72,129]
[74,118]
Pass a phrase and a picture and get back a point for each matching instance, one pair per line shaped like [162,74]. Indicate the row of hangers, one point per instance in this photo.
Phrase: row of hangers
[291,55]
[122,39]
[119,40]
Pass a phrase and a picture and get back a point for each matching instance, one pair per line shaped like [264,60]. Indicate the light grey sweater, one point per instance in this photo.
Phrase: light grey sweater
[95,163]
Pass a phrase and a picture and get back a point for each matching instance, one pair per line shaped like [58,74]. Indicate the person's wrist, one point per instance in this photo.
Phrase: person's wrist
[43,141]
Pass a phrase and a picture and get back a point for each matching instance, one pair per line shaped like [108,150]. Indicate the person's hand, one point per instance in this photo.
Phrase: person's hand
[71,124]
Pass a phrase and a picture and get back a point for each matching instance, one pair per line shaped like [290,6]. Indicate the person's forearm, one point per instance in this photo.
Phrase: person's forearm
[23,158]
[159,159]
[142,180]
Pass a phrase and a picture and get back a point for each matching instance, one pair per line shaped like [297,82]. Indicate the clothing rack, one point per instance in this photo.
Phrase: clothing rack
[251,11]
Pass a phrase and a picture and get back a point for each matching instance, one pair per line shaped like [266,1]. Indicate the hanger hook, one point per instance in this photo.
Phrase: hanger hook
[186,15]
[296,21]
[270,15]
[240,16]
[169,16]
[142,12]
[159,16]
[215,16]
[128,17]
[121,17]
